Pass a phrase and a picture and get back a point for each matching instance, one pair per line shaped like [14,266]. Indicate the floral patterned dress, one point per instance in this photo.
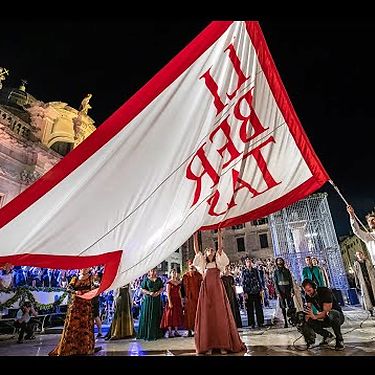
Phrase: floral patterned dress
[78,334]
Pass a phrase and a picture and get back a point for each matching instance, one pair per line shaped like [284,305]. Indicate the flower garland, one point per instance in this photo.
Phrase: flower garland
[24,293]
[47,306]
[33,289]
[11,300]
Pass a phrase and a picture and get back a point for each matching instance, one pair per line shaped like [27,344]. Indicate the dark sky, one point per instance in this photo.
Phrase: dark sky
[327,68]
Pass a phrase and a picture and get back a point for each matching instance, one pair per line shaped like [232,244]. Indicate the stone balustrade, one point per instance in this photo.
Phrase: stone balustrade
[17,125]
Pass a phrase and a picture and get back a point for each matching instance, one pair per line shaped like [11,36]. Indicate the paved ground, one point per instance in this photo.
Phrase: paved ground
[358,330]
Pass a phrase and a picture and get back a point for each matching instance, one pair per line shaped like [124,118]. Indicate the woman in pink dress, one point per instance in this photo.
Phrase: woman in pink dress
[215,327]
[172,315]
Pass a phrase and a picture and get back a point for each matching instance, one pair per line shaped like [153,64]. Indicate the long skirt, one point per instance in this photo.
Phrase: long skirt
[122,325]
[78,334]
[150,318]
[215,327]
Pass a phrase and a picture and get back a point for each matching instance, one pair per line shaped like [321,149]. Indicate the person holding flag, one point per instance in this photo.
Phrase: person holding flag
[215,327]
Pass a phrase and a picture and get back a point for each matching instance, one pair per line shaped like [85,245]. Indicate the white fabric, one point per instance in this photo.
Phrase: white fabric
[201,265]
[133,194]
[367,238]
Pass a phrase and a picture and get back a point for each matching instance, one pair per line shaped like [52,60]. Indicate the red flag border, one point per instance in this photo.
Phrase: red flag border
[109,128]
[127,112]
[320,176]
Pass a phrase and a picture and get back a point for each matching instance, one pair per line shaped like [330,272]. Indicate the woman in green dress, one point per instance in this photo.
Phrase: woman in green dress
[151,309]
[122,326]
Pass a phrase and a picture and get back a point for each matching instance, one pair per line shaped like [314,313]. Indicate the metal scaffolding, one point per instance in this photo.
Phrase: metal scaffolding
[306,228]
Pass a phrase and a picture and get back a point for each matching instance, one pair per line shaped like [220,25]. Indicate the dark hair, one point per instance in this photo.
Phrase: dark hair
[206,257]
[309,282]
[282,259]
[213,259]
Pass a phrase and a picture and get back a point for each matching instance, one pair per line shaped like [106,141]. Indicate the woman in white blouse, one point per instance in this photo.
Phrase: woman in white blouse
[215,327]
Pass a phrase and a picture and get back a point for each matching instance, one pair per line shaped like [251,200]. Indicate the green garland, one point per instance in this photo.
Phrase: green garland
[11,300]
[24,293]
[33,289]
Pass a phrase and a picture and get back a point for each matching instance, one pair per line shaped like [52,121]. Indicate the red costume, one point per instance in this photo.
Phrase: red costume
[192,283]
[172,316]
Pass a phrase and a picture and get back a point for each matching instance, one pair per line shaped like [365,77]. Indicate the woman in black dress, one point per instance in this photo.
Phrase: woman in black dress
[230,288]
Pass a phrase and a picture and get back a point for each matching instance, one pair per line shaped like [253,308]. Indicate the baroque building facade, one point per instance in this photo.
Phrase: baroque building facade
[349,245]
[34,136]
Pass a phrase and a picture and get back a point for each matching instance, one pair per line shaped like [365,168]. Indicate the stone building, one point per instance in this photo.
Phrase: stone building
[348,246]
[34,136]
[174,261]
[252,239]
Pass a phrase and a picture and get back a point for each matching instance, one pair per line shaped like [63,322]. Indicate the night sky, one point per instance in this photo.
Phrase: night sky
[326,66]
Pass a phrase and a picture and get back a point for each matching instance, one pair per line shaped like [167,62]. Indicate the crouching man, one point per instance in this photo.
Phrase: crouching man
[23,322]
[329,314]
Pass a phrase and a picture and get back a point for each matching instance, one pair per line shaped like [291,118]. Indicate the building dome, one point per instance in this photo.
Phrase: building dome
[16,100]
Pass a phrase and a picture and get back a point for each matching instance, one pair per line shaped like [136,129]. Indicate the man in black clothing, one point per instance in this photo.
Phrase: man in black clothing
[284,288]
[329,315]
[252,287]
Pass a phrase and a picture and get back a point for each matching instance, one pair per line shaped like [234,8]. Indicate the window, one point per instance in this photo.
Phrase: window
[163,266]
[262,221]
[263,240]
[62,148]
[240,226]
[176,266]
[240,244]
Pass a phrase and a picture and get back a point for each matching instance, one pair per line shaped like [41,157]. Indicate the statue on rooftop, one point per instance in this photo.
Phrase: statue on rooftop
[3,72]
[85,106]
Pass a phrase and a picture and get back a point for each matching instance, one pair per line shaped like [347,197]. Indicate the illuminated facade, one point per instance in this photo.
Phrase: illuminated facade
[34,136]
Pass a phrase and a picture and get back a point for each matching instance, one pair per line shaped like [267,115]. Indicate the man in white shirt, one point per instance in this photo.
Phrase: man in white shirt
[367,237]
[23,321]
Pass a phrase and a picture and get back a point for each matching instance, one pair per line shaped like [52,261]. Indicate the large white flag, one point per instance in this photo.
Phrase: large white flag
[211,139]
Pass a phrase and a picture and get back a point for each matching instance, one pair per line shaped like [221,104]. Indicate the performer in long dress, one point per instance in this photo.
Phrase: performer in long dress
[172,315]
[191,284]
[215,327]
[230,288]
[78,334]
[151,309]
[365,281]
[122,326]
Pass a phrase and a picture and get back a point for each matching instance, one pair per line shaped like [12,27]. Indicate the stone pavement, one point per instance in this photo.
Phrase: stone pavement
[358,330]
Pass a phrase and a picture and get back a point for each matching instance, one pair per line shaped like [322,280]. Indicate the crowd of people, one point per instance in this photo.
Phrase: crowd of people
[206,302]
[166,305]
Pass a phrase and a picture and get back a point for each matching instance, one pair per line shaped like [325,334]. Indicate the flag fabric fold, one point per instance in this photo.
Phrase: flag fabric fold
[211,140]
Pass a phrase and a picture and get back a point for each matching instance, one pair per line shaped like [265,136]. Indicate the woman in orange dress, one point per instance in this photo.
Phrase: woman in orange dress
[215,327]
[78,334]
[191,284]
